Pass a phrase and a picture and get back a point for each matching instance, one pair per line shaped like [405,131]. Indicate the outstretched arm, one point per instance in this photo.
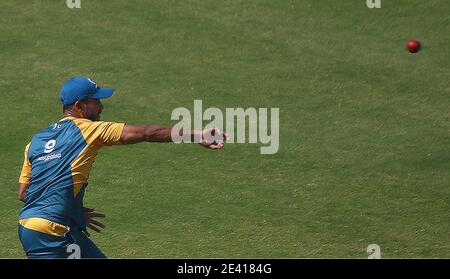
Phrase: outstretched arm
[140,133]
[157,133]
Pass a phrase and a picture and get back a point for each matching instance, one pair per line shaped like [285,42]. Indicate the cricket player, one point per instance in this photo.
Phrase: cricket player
[56,169]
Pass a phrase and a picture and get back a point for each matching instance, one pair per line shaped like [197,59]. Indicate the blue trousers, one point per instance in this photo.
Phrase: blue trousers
[39,245]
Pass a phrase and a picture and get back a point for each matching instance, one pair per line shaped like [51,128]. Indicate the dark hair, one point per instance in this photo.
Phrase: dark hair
[66,107]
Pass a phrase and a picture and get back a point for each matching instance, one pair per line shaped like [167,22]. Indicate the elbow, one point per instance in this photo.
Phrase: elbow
[21,196]
[22,191]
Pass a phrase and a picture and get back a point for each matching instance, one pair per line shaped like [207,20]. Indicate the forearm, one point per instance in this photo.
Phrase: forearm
[154,133]
[157,133]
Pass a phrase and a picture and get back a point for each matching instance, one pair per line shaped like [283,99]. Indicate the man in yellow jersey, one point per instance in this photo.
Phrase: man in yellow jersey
[56,169]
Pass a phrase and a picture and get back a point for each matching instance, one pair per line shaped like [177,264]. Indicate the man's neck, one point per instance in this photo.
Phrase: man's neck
[68,113]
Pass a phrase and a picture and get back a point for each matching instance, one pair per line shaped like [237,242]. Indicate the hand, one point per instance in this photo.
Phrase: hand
[89,215]
[213,138]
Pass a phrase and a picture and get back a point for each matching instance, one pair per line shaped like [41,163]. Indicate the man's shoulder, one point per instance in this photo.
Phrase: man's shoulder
[85,121]
[77,120]
[44,131]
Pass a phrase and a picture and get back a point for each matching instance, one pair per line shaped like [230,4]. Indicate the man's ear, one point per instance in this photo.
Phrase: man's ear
[78,107]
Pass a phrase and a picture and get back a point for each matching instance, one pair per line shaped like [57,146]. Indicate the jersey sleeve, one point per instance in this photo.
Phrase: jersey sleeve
[101,133]
[26,168]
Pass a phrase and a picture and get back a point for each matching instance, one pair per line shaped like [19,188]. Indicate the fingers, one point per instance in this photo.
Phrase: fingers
[97,223]
[93,224]
[226,136]
[96,228]
[214,135]
[87,233]
[95,214]
[216,146]
[213,138]
[92,227]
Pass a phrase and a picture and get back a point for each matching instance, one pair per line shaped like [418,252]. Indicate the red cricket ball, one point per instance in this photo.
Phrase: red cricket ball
[413,46]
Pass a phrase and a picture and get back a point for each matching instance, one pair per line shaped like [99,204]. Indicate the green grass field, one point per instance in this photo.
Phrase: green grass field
[364,125]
